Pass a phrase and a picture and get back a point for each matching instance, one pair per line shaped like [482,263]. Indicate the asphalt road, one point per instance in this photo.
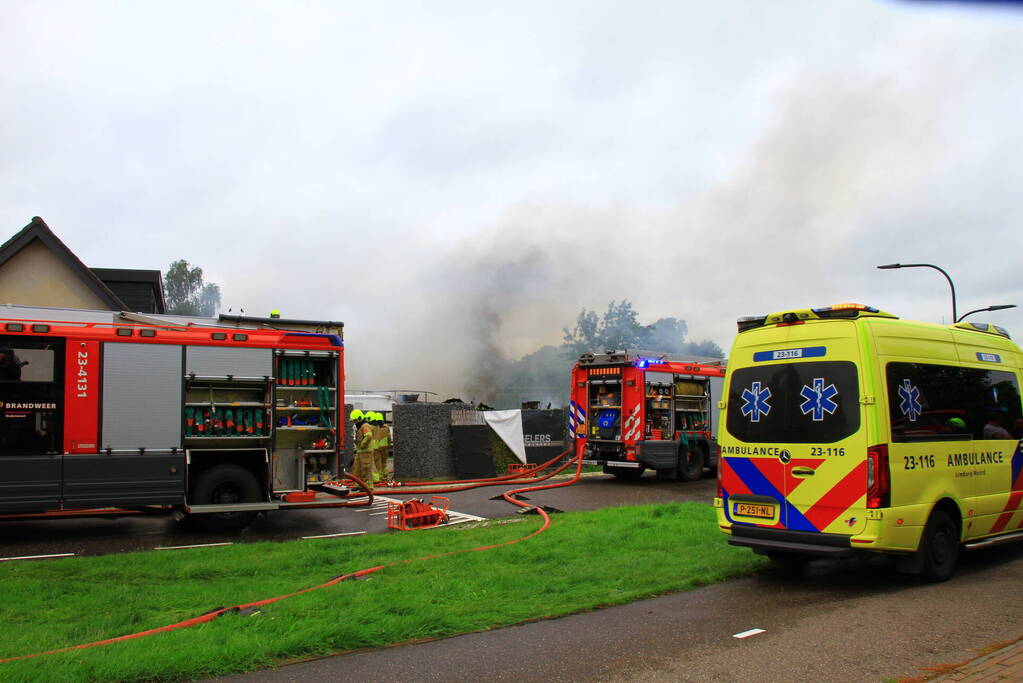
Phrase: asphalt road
[837,621]
[97,536]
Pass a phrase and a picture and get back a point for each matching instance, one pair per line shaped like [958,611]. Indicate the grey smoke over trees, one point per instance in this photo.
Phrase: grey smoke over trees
[187,292]
[543,375]
[620,329]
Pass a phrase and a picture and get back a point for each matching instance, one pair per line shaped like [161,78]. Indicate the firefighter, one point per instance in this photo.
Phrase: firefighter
[363,468]
[381,441]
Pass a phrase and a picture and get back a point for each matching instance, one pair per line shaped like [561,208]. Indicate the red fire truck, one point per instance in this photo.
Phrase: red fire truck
[631,412]
[120,413]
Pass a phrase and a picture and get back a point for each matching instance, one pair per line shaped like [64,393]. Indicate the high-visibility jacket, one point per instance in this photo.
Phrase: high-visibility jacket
[364,439]
[382,436]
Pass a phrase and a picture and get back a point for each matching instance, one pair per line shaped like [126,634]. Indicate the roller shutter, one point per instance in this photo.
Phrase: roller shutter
[141,397]
[219,361]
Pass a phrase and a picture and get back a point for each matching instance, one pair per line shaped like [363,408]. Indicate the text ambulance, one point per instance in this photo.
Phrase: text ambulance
[846,429]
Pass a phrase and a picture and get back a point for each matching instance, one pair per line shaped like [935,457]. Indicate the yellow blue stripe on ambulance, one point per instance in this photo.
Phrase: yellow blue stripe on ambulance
[818,485]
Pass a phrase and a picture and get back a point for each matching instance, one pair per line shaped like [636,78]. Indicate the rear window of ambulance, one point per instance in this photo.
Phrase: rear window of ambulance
[811,402]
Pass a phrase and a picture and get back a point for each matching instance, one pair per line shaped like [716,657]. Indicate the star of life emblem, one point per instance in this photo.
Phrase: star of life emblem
[755,402]
[910,405]
[819,399]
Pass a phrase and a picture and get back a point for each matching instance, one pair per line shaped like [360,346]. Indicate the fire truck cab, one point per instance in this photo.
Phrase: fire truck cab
[106,413]
[632,412]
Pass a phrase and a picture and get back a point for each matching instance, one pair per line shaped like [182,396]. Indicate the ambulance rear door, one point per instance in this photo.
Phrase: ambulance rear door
[794,417]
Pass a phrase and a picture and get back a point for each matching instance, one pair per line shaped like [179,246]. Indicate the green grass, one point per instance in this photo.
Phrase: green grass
[585,560]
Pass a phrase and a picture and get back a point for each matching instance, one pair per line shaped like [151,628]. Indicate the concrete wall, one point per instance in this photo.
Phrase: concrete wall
[422,440]
[36,277]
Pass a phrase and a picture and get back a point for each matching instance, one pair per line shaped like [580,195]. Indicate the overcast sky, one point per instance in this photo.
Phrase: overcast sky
[449,178]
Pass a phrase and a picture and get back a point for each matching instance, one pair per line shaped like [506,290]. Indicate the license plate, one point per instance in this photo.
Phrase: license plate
[754,510]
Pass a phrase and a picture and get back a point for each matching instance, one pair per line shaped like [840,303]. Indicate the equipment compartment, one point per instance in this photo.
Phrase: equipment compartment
[226,409]
[305,417]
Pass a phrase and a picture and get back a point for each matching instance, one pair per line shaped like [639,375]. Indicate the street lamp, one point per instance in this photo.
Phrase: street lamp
[892,266]
[999,307]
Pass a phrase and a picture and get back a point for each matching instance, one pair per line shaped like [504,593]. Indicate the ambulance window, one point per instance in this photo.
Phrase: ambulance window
[809,402]
[928,402]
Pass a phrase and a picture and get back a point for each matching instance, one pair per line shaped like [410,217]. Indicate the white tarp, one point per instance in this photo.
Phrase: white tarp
[508,425]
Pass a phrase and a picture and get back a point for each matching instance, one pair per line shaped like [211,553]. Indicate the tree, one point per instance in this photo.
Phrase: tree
[705,348]
[187,293]
[667,335]
[618,329]
[543,375]
[584,337]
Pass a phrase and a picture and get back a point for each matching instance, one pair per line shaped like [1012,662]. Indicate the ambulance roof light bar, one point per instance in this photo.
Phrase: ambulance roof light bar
[845,310]
[848,310]
[749,322]
[985,327]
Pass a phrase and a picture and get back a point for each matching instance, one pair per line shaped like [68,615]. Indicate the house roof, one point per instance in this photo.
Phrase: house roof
[142,290]
[39,230]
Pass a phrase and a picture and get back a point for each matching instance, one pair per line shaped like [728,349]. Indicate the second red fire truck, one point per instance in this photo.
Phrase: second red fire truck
[633,412]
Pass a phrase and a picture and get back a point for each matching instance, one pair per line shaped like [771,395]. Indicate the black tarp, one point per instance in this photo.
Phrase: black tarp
[544,433]
[470,449]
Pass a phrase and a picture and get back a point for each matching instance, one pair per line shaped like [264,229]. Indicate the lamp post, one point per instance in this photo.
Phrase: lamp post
[892,266]
[999,307]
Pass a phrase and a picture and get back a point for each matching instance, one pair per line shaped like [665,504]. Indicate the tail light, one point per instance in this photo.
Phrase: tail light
[721,489]
[879,479]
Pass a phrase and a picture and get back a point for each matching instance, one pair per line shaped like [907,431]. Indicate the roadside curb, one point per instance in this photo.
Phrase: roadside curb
[1004,664]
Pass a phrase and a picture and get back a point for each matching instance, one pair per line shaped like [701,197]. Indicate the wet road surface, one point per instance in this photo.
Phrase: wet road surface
[837,621]
[96,536]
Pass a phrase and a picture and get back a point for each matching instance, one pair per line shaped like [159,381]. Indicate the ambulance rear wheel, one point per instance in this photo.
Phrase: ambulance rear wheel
[226,485]
[940,546]
[691,463]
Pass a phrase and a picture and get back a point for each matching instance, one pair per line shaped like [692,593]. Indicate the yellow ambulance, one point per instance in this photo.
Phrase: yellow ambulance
[845,429]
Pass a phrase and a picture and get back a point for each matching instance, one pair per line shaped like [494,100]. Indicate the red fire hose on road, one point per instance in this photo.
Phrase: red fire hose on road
[529,476]
[213,614]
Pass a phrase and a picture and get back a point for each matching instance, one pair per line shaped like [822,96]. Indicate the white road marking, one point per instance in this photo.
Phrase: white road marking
[467,516]
[35,557]
[751,632]
[184,547]
[347,533]
[378,502]
[452,522]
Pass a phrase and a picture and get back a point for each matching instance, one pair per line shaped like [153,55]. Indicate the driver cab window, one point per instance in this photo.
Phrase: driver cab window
[25,364]
[31,395]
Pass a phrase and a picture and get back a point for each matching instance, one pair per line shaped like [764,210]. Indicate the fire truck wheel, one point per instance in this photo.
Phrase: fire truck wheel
[224,485]
[691,463]
[940,546]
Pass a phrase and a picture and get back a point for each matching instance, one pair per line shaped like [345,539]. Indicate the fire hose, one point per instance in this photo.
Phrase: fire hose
[530,475]
[220,611]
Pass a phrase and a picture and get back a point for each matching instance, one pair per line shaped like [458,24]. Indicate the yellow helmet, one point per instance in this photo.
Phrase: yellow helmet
[356,415]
